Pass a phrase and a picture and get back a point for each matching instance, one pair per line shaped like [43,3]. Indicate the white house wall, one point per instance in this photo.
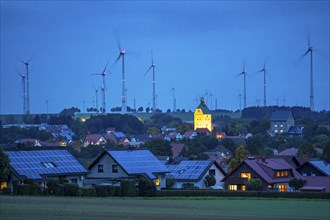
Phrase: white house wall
[107,163]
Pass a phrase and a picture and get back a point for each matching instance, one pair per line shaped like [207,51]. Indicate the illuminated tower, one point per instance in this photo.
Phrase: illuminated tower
[203,117]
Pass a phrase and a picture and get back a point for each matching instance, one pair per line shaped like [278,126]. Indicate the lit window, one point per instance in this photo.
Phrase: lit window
[281,126]
[114,168]
[283,173]
[157,182]
[3,185]
[243,187]
[100,168]
[232,187]
[246,175]
[276,131]
[275,126]
[283,188]
[270,186]
[281,131]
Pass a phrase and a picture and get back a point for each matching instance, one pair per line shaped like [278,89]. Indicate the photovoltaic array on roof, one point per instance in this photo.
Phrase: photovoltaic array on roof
[188,169]
[139,162]
[33,164]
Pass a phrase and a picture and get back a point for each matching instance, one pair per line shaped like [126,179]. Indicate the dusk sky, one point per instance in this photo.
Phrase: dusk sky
[198,47]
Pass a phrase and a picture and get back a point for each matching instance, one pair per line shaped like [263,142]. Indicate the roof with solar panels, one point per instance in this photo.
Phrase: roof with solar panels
[36,164]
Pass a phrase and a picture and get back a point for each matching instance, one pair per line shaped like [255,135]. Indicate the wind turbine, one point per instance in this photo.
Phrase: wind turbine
[24,91]
[264,72]
[310,51]
[244,75]
[103,89]
[26,63]
[96,99]
[153,66]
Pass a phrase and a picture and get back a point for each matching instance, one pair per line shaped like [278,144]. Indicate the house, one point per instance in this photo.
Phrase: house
[274,174]
[203,117]
[173,136]
[316,184]
[59,131]
[94,139]
[194,172]
[280,122]
[112,166]
[40,165]
[314,168]
[203,131]
[296,131]
[29,141]
[190,135]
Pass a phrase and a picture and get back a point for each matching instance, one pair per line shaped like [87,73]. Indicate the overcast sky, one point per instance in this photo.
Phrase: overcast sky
[199,47]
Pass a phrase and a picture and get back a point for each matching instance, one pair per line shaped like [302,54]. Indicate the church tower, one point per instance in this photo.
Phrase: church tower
[203,117]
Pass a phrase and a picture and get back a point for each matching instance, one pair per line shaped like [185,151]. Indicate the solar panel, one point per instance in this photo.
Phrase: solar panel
[33,164]
[189,169]
[139,162]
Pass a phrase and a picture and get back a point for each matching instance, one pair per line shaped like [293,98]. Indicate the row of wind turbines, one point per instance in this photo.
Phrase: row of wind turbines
[264,71]
[152,67]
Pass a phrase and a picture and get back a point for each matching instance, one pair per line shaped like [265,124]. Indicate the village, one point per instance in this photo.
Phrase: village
[186,156]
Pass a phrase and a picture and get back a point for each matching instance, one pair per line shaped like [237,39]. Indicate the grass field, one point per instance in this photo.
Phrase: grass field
[26,207]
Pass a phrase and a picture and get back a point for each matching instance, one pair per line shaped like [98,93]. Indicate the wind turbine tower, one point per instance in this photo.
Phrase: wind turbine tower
[103,110]
[310,51]
[24,92]
[264,72]
[153,66]
[244,75]
[174,100]
[26,63]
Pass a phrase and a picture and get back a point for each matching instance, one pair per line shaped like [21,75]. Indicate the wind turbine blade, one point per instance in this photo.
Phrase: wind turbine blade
[105,68]
[152,58]
[147,70]
[117,38]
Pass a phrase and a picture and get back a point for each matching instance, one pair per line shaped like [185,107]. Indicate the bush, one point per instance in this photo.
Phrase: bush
[15,186]
[88,191]
[170,183]
[128,188]
[117,191]
[23,189]
[6,191]
[34,190]
[111,190]
[71,189]
[189,186]
[101,191]
[254,184]
[147,187]
[209,180]
[55,188]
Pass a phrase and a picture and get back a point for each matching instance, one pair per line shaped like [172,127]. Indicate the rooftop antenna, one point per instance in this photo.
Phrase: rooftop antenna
[153,66]
[174,100]
[103,89]
[310,51]
[264,72]
[26,63]
[244,76]
[24,91]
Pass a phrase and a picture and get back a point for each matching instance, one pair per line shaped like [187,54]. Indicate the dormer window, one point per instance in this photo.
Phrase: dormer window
[282,173]
[49,164]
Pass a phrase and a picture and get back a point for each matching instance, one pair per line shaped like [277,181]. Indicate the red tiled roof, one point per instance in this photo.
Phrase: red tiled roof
[176,149]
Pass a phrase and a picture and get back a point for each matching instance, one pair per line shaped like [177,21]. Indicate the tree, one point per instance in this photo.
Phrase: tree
[4,166]
[159,147]
[296,184]
[254,184]
[255,144]
[36,120]
[153,130]
[233,164]
[240,153]
[209,181]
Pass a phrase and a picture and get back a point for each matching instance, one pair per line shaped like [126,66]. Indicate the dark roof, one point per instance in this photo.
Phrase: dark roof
[189,170]
[203,107]
[320,165]
[177,149]
[280,115]
[265,169]
[36,163]
[136,162]
[316,183]
[289,152]
[296,129]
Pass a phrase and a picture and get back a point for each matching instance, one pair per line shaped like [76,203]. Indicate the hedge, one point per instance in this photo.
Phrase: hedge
[117,191]
[221,193]
[34,190]
[6,191]
[147,187]
[101,191]
[128,188]
[71,189]
[88,191]
[23,189]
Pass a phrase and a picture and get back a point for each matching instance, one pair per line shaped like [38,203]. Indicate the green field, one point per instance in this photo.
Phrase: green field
[27,207]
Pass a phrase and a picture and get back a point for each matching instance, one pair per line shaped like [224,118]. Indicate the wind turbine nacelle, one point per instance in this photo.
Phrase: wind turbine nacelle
[123,51]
